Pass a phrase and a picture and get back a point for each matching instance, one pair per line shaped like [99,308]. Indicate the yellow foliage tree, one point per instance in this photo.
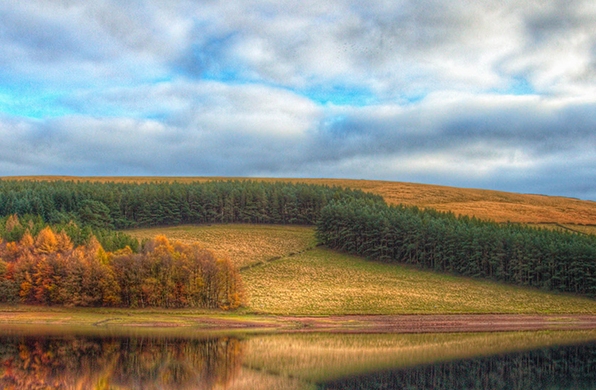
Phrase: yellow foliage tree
[95,249]
[27,241]
[46,242]
[64,242]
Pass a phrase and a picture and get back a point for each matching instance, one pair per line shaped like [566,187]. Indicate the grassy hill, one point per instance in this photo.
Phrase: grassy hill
[485,204]
[245,244]
[285,274]
[301,280]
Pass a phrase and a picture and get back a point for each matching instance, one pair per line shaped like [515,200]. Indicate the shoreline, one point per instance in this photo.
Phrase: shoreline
[174,321]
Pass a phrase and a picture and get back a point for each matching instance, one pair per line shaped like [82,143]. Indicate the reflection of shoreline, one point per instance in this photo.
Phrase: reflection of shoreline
[320,357]
[29,362]
[568,367]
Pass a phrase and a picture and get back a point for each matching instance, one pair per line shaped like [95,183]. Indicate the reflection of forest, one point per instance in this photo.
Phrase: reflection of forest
[28,362]
[571,367]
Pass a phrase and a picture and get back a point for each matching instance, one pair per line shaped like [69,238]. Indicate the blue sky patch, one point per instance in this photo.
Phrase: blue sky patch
[36,105]
[340,95]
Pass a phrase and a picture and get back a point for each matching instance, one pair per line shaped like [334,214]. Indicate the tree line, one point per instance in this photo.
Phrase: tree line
[129,205]
[48,269]
[511,253]
[13,228]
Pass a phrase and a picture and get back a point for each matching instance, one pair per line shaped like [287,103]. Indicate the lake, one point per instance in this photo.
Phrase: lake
[181,359]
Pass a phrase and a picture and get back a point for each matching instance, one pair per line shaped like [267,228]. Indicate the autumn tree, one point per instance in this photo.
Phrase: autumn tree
[49,270]
[46,242]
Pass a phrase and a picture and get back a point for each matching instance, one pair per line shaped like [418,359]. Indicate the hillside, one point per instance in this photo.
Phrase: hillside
[485,204]
[244,244]
[302,281]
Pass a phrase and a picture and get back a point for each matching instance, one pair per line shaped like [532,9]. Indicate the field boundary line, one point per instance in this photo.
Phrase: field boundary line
[275,258]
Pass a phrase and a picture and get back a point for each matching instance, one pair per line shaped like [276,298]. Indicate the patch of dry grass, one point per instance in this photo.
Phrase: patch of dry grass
[324,282]
[244,244]
[590,229]
[485,204]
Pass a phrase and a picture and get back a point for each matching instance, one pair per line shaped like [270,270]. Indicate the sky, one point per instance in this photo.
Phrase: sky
[482,94]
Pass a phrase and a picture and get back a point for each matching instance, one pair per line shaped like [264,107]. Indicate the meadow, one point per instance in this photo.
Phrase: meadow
[325,282]
[299,279]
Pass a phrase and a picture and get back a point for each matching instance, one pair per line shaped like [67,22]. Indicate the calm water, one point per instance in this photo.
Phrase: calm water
[569,367]
[529,360]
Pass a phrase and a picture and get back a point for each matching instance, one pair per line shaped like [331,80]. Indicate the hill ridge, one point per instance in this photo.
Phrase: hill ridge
[499,206]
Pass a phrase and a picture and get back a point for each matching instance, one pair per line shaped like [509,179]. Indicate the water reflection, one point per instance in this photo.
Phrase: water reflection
[30,362]
[297,361]
[570,367]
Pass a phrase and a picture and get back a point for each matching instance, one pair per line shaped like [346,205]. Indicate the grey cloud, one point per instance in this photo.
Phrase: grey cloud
[537,126]
[390,143]
[393,48]
[557,19]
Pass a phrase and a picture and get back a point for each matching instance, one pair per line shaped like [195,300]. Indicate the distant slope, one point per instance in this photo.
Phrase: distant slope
[484,204]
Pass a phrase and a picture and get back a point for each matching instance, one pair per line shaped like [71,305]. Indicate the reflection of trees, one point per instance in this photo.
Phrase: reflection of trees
[81,362]
[571,367]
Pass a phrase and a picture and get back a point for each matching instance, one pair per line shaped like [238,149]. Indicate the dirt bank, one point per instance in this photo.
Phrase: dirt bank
[439,323]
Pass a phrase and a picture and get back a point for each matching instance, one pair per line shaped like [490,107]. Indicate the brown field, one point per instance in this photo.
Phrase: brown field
[484,204]
[244,244]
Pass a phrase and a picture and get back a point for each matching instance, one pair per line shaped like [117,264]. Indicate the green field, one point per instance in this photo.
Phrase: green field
[291,277]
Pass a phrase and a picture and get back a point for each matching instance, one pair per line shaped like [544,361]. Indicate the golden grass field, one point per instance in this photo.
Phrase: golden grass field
[485,204]
[244,244]
[319,281]
[325,282]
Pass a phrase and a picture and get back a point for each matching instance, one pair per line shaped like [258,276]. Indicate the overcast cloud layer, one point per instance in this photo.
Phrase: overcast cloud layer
[483,94]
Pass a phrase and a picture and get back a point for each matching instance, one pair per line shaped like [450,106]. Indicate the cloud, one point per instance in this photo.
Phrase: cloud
[471,141]
[463,93]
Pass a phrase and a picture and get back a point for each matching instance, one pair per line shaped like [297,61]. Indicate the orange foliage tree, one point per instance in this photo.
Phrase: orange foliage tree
[48,270]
